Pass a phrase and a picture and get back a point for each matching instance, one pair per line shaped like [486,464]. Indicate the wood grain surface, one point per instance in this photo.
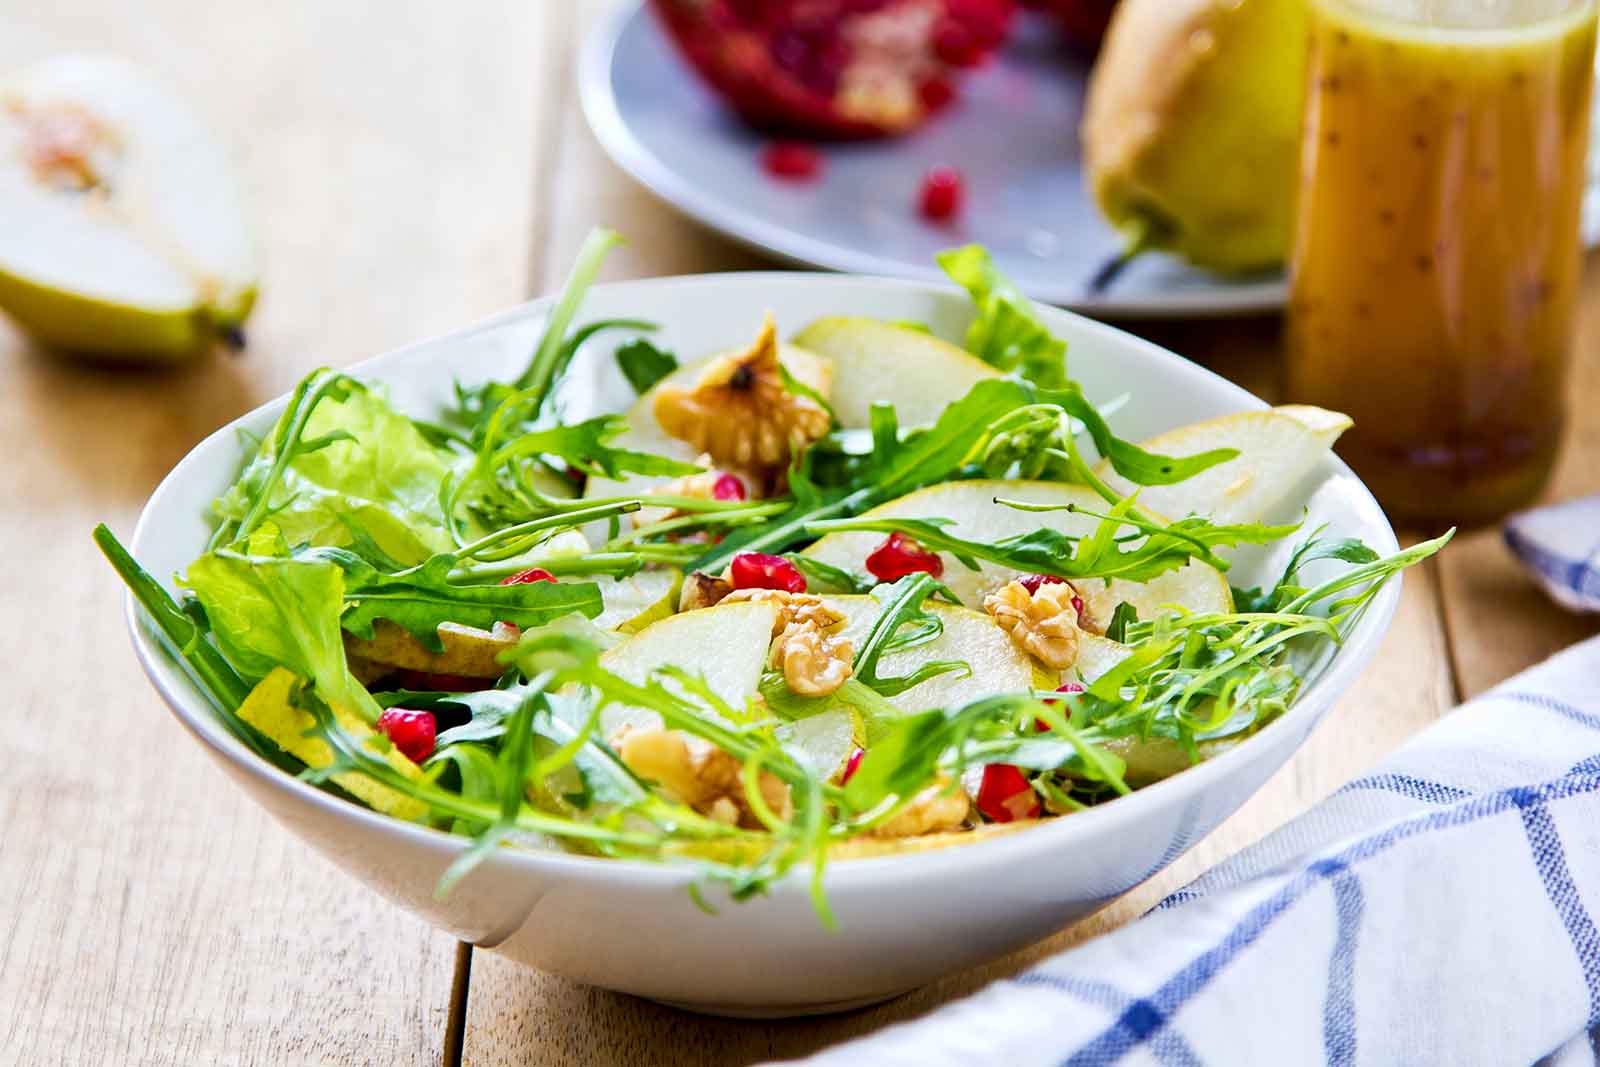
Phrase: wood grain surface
[414,166]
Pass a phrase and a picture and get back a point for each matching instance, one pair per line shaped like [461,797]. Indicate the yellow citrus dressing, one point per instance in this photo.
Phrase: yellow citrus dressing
[1436,249]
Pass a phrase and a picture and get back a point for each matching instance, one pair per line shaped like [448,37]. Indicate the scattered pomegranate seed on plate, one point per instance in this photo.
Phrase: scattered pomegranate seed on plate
[942,194]
[791,160]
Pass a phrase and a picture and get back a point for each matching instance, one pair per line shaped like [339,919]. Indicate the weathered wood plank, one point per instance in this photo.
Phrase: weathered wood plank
[153,914]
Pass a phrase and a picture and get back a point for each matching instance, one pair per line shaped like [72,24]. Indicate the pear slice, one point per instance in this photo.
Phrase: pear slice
[727,645]
[883,362]
[824,741]
[970,506]
[634,602]
[122,229]
[1277,449]
[997,665]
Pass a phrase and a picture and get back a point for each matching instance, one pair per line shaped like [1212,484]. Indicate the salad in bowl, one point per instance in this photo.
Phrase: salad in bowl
[803,605]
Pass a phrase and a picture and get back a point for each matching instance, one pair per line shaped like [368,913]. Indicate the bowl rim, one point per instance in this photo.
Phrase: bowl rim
[1343,667]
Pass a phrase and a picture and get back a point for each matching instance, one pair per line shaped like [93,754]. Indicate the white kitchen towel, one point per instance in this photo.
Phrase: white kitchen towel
[1440,910]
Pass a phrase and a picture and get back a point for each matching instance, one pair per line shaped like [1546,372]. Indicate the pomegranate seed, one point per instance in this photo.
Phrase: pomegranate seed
[757,570]
[1070,687]
[956,45]
[936,93]
[942,193]
[792,160]
[728,487]
[528,577]
[1032,582]
[899,556]
[851,765]
[412,732]
[1005,794]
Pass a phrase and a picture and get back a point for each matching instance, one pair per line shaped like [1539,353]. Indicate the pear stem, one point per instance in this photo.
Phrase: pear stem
[1141,233]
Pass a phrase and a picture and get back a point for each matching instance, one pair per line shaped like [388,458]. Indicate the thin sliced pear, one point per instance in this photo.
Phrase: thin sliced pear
[997,665]
[634,602]
[971,507]
[122,228]
[824,741]
[882,362]
[727,645]
[1277,449]
[467,651]
[269,709]
[644,433]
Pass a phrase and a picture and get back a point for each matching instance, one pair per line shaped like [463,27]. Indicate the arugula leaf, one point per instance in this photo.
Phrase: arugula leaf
[1007,332]
[643,364]
[826,578]
[1100,554]
[421,598]
[1127,459]
[1123,614]
[903,623]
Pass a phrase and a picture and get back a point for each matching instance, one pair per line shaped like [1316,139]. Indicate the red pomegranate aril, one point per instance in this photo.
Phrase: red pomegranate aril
[899,556]
[1032,582]
[852,765]
[1005,795]
[956,45]
[728,487]
[412,732]
[1069,687]
[757,570]
[528,577]
[936,93]
[791,159]
[942,194]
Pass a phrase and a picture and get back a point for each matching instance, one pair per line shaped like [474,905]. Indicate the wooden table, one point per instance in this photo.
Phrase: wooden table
[415,166]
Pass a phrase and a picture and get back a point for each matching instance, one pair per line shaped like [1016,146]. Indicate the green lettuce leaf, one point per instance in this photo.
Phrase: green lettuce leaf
[353,458]
[268,612]
[1007,333]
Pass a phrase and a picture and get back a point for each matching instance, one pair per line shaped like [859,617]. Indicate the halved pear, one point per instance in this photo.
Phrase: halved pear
[997,665]
[972,509]
[726,645]
[883,362]
[1277,449]
[122,229]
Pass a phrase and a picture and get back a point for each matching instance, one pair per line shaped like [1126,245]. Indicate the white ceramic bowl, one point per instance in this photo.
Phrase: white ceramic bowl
[904,920]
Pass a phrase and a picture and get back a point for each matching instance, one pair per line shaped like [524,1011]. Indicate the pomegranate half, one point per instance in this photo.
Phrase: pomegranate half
[835,68]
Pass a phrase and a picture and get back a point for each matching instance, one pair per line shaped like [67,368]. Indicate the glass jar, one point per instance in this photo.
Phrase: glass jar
[1436,254]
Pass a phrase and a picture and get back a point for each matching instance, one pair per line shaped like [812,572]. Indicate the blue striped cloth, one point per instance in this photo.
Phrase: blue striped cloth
[1439,910]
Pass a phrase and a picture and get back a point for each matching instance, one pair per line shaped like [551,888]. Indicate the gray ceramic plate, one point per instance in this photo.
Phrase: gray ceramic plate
[1012,134]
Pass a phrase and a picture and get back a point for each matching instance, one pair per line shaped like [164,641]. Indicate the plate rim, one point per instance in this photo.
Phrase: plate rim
[602,110]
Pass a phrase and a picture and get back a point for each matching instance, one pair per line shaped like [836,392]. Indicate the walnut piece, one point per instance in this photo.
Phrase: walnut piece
[1042,623]
[699,774]
[814,663]
[938,808]
[703,591]
[740,412]
[792,608]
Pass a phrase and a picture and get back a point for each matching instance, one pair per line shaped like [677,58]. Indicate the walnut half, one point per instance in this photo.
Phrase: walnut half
[1043,623]
[740,412]
[699,774]
[814,661]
